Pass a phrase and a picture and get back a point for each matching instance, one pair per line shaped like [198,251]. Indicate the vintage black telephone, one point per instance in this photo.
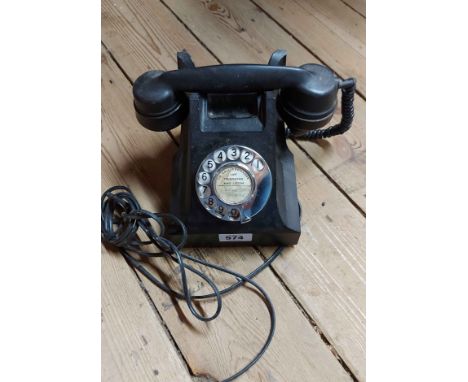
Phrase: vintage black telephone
[233,179]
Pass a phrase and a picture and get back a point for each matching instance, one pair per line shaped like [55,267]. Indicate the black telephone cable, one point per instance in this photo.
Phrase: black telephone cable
[123,219]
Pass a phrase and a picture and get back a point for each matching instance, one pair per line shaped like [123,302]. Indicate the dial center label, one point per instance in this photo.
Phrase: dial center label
[233,185]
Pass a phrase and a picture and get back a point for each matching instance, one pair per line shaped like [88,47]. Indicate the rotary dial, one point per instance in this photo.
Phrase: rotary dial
[233,183]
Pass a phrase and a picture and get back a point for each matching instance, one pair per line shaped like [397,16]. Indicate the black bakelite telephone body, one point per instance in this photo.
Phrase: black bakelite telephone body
[233,177]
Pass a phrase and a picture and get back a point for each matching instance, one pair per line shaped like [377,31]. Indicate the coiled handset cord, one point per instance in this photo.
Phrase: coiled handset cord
[123,221]
[348,88]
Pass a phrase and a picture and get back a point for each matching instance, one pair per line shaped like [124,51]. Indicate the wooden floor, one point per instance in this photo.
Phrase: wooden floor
[317,287]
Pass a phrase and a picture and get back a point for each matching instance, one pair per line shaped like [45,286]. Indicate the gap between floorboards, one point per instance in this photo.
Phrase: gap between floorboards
[354,9]
[358,92]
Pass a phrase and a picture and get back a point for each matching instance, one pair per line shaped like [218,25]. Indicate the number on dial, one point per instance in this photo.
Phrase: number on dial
[203,178]
[246,156]
[219,156]
[233,152]
[257,164]
[204,191]
[209,165]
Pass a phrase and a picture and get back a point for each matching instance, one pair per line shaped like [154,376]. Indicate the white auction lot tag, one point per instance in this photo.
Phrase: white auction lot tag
[235,237]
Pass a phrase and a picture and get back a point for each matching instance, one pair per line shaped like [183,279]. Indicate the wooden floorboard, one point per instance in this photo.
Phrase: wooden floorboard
[135,346]
[343,233]
[325,273]
[329,28]
[358,5]
[241,32]
[221,347]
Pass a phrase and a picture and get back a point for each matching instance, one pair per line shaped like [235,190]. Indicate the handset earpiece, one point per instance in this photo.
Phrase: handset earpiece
[158,106]
[309,105]
[348,88]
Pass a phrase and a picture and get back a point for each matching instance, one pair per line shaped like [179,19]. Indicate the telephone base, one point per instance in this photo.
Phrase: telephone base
[238,239]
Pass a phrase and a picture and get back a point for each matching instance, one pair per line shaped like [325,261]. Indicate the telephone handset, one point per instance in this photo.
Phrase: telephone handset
[233,177]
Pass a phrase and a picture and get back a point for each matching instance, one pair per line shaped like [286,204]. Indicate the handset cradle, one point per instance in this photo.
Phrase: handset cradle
[307,99]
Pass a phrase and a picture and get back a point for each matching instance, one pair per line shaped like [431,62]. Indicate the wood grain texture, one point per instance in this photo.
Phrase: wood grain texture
[326,271]
[330,260]
[329,28]
[135,346]
[147,36]
[221,347]
[358,5]
[236,32]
